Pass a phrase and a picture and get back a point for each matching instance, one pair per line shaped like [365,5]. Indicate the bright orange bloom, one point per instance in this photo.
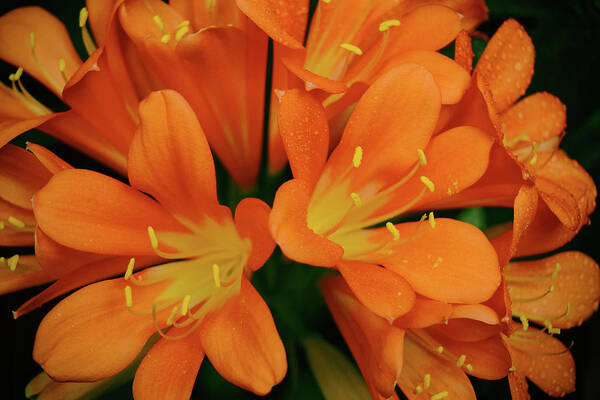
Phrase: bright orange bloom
[351,43]
[552,194]
[198,291]
[386,165]
[212,54]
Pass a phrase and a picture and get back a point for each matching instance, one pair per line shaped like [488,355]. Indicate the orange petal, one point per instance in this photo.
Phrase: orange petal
[376,345]
[294,62]
[466,330]
[169,157]
[242,343]
[425,312]
[450,77]
[463,51]
[507,63]
[53,163]
[97,98]
[92,212]
[91,335]
[27,274]
[477,312]
[545,361]
[453,262]
[472,12]
[252,222]
[12,235]
[203,14]
[575,282]
[169,369]
[518,386]
[383,292]
[12,107]
[444,376]
[289,228]
[72,128]
[51,43]
[21,175]
[100,12]
[305,132]
[488,358]
[540,116]
[284,22]
[395,117]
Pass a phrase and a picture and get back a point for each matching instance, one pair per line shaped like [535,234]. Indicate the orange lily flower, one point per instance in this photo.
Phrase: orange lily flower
[197,295]
[386,165]
[525,162]
[349,45]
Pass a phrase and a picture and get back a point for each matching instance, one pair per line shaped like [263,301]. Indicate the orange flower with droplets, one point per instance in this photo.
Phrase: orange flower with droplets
[349,44]
[197,294]
[386,165]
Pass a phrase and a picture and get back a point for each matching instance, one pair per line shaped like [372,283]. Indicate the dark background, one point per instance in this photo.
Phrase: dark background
[566,35]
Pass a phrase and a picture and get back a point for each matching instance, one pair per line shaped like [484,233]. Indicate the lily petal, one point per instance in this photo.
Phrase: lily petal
[252,221]
[21,175]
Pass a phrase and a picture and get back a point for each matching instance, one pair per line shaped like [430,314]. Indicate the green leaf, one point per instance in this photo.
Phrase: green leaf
[338,378]
[474,216]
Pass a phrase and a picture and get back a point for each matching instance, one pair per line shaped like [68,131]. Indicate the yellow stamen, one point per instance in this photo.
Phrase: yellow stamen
[440,349]
[159,22]
[216,275]
[461,360]
[358,155]
[181,32]
[393,230]
[165,38]
[385,25]
[128,297]
[16,222]
[431,220]
[350,47]
[83,16]
[17,75]
[183,23]
[1,225]
[439,396]
[555,272]
[427,182]
[554,331]
[469,367]
[427,381]
[356,199]
[185,304]
[515,140]
[422,157]
[525,322]
[129,268]
[12,262]
[437,262]
[512,369]
[171,318]
[326,1]
[62,66]
[534,157]
[153,238]
[418,389]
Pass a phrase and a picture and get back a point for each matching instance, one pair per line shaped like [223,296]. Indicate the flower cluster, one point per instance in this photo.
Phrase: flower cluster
[381,131]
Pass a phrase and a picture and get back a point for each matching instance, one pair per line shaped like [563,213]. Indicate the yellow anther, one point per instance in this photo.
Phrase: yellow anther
[153,238]
[555,272]
[469,367]
[551,288]
[358,155]
[159,22]
[1,225]
[393,230]
[129,268]
[422,157]
[17,75]
[326,1]
[427,182]
[554,331]
[165,38]
[171,318]
[356,199]
[185,304]
[12,262]
[350,47]
[440,349]
[418,389]
[83,16]
[216,275]
[128,297]
[437,262]
[16,222]
[181,32]
[512,369]
[399,293]
[439,396]
[427,381]
[32,40]
[461,360]
[62,64]
[568,309]
[385,25]
[525,322]
[431,220]
[183,23]
[534,158]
